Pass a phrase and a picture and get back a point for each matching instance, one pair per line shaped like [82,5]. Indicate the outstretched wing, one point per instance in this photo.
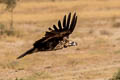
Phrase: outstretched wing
[64,29]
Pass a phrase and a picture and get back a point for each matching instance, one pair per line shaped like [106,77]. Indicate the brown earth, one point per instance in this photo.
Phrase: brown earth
[97,33]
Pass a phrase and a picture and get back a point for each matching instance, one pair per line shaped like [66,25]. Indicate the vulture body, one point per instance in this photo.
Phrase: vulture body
[56,38]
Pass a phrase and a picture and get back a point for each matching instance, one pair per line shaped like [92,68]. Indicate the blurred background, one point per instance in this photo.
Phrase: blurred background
[96,57]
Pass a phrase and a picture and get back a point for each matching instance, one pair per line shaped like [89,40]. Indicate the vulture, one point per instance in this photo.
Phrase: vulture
[56,37]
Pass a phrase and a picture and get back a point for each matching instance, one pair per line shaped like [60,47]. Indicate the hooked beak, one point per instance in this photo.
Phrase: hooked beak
[72,43]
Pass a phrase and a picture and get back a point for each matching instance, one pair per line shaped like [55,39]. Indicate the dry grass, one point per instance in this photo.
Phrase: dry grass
[116,76]
[104,9]
[97,32]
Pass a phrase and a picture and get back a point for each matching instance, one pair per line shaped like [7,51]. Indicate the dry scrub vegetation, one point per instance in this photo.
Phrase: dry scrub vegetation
[97,56]
[116,76]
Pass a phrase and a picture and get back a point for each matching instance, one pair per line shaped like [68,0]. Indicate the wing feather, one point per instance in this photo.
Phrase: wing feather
[73,23]
[56,29]
[68,21]
[59,25]
[67,29]
[60,32]
[64,21]
[50,29]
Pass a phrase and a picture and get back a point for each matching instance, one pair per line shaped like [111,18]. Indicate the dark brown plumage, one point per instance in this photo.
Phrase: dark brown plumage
[56,37]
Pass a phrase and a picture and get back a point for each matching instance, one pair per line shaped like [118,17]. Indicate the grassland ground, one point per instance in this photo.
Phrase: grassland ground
[97,33]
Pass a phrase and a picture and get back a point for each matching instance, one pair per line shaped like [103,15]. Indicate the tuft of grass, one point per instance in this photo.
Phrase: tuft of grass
[116,76]
[14,32]
[73,62]
[2,28]
[40,75]
[9,32]
[104,32]
[19,79]
[100,41]
[117,52]
[9,65]
[116,25]
[91,31]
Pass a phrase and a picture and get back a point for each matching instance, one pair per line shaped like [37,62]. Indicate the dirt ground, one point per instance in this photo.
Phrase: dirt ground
[97,56]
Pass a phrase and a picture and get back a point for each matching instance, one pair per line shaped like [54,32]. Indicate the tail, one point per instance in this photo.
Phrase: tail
[32,50]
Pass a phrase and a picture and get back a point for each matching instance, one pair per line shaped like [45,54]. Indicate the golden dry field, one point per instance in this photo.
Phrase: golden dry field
[97,56]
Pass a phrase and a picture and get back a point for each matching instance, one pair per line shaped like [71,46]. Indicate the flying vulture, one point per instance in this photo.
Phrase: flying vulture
[56,37]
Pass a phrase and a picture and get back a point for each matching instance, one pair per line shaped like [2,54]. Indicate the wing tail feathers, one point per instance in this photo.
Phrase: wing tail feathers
[59,25]
[32,50]
[68,21]
[55,28]
[73,22]
[64,21]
